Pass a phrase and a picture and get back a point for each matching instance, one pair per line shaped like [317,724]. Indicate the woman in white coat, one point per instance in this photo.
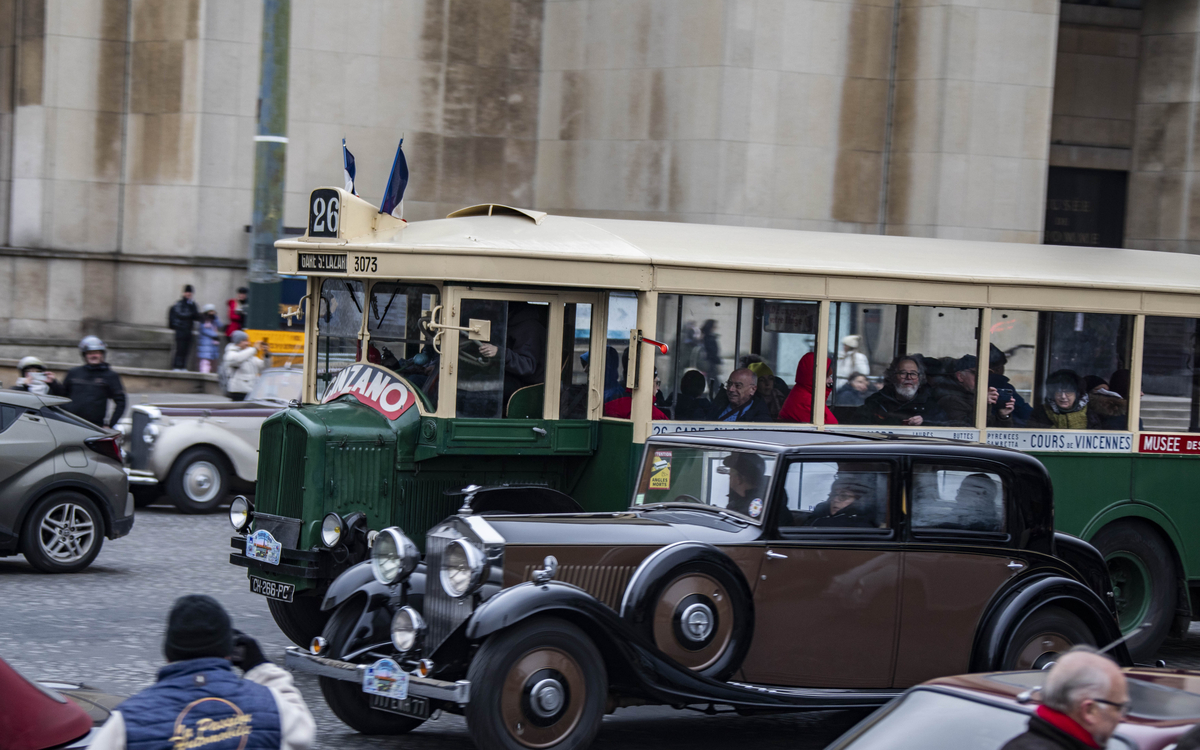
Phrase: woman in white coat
[242,365]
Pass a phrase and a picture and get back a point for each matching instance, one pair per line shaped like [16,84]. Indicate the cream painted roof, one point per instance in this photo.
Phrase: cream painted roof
[707,246]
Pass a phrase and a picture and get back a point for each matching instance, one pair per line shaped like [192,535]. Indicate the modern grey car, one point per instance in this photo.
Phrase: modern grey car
[63,488]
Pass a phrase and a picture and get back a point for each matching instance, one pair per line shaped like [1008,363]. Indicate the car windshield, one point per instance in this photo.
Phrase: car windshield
[735,481]
[283,386]
[938,721]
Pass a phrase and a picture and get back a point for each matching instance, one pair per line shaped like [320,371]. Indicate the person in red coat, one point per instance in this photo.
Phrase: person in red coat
[798,405]
[237,312]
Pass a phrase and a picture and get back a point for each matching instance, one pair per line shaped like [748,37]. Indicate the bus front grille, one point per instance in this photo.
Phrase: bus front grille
[270,447]
[291,471]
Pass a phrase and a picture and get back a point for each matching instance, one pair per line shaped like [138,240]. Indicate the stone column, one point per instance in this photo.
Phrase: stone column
[1164,198]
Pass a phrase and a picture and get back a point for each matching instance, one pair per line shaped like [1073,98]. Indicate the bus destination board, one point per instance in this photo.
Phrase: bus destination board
[322,262]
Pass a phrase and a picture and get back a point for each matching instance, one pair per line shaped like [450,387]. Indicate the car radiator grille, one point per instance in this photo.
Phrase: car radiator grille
[605,582]
[139,452]
[443,613]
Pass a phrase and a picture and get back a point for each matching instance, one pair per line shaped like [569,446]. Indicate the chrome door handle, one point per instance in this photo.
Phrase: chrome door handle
[538,430]
[1014,565]
[772,555]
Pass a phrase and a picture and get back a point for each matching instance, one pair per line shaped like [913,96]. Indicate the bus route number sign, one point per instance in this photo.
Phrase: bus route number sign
[324,213]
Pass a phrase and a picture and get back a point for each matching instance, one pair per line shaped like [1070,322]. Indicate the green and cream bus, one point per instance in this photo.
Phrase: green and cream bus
[506,346]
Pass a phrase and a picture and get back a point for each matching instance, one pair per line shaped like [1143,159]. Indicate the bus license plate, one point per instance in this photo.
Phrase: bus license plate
[417,708]
[271,589]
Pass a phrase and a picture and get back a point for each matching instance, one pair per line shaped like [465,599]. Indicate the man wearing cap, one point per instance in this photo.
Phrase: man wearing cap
[180,318]
[199,701]
[852,503]
[747,483]
[956,397]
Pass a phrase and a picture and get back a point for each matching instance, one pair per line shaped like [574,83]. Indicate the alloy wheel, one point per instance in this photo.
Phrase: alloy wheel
[67,533]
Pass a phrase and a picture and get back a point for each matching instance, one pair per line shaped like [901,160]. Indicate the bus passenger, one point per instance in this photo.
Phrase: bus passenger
[956,396]
[1110,407]
[525,347]
[1066,404]
[690,403]
[798,406]
[770,396]
[855,391]
[737,402]
[998,380]
[905,398]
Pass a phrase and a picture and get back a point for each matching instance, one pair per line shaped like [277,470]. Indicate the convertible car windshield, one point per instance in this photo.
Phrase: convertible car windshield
[736,481]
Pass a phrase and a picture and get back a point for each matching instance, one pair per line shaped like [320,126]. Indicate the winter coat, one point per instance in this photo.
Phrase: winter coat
[525,350]
[243,367]
[1042,735]
[958,404]
[884,407]
[797,407]
[237,317]
[90,387]
[210,345]
[850,362]
[754,411]
[202,698]
[182,315]
[1111,410]
[847,395]
[1022,411]
[1079,417]
[691,407]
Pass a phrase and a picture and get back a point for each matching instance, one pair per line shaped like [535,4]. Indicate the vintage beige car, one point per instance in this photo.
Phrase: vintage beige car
[197,453]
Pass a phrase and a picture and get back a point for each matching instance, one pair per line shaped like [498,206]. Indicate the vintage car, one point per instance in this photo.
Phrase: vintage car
[197,453]
[758,570]
[49,714]
[984,711]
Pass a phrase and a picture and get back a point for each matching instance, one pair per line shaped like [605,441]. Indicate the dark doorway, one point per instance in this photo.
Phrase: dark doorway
[1085,207]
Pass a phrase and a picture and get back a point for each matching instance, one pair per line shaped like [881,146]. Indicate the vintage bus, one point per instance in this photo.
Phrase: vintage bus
[505,346]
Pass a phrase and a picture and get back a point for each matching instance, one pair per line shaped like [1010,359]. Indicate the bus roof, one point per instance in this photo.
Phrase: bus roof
[651,254]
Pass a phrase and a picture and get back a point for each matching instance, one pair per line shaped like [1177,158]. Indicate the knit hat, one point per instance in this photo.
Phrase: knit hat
[966,362]
[239,336]
[188,288]
[761,370]
[197,626]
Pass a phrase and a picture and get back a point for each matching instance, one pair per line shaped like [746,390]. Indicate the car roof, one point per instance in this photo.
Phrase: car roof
[30,400]
[788,441]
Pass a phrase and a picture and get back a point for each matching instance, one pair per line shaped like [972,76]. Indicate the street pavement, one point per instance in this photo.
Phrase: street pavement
[104,627]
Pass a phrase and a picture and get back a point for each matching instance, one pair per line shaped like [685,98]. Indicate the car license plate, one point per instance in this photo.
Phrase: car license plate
[413,706]
[386,679]
[272,590]
[262,546]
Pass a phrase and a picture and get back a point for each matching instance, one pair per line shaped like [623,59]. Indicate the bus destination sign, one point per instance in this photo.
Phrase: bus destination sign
[1179,445]
[322,262]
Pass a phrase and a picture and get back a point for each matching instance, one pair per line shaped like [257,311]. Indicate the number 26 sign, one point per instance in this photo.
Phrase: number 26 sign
[324,213]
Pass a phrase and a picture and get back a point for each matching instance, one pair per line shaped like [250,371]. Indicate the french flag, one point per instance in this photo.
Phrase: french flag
[348,168]
[393,195]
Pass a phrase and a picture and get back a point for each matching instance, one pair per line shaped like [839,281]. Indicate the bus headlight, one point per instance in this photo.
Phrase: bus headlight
[241,512]
[462,568]
[393,556]
[331,530]
[407,627]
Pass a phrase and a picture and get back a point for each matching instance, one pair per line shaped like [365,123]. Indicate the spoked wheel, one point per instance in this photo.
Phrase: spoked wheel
[541,684]
[347,699]
[1043,637]
[63,533]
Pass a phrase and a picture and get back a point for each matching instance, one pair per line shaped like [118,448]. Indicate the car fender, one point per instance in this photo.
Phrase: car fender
[173,439]
[1027,597]
[635,605]
[81,483]
[1140,510]
[514,604]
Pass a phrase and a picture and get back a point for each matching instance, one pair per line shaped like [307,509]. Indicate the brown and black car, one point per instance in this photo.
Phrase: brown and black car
[755,570]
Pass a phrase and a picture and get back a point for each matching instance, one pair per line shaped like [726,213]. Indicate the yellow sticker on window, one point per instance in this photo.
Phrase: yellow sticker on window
[660,471]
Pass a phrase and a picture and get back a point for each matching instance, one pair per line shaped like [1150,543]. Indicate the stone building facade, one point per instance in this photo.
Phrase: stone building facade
[127,152]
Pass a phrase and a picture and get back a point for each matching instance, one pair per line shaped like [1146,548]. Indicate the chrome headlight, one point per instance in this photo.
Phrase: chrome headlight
[393,556]
[463,566]
[331,529]
[241,512]
[150,433]
[407,627]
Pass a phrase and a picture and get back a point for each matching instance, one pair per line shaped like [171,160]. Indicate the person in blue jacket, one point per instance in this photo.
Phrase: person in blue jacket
[209,349]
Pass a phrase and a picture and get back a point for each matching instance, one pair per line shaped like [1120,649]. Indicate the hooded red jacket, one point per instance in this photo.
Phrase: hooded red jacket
[798,406]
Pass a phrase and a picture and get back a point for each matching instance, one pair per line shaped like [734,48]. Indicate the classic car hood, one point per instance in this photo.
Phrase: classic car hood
[224,408]
[628,528]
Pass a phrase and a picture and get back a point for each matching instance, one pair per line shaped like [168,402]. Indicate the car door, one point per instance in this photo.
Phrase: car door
[24,440]
[825,604]
[959,552]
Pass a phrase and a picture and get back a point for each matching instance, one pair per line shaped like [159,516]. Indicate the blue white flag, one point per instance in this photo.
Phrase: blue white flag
[393,195]
[348,168]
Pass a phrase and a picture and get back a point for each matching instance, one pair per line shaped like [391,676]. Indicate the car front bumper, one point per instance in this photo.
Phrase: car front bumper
[299,660]
[139,478]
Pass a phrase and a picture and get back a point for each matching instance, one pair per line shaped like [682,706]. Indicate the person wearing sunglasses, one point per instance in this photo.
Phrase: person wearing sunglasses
[1083,701]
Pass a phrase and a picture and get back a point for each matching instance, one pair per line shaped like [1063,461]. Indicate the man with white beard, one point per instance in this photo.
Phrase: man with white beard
[905,399]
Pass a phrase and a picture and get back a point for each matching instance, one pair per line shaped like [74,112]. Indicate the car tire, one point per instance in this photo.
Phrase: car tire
[301,620]
[199,481]
[144,496]
[347,699]
[560,662]
[1043,636]
[63,533]
[1143,576]
[713,640]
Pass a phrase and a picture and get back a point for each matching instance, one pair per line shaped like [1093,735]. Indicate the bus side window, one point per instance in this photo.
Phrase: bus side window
[622,318]
[506,375]
[1170,388]
[577,338]
[340,319]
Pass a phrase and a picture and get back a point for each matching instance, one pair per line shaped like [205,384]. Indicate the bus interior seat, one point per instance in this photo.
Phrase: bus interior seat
[526,403]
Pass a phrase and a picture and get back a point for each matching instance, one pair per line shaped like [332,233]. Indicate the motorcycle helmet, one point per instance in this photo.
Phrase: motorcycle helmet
[91,344]
[28,362]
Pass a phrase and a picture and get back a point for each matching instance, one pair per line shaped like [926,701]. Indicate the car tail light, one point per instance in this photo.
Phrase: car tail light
[108,446]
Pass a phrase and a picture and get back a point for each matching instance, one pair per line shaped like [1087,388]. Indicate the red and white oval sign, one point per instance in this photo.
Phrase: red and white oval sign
[373,386]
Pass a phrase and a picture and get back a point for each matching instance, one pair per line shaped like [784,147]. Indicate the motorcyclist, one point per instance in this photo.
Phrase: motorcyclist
[35,378]
[91,385]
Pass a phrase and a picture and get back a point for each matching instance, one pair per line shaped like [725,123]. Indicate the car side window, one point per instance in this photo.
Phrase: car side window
[8,415]
[957,498]
[843,495]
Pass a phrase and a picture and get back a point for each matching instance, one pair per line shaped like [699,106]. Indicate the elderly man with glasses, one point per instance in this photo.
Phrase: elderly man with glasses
[737,402]
[905,398]
[1084,699]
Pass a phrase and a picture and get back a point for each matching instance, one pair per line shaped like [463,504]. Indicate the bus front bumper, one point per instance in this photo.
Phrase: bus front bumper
[299,660]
